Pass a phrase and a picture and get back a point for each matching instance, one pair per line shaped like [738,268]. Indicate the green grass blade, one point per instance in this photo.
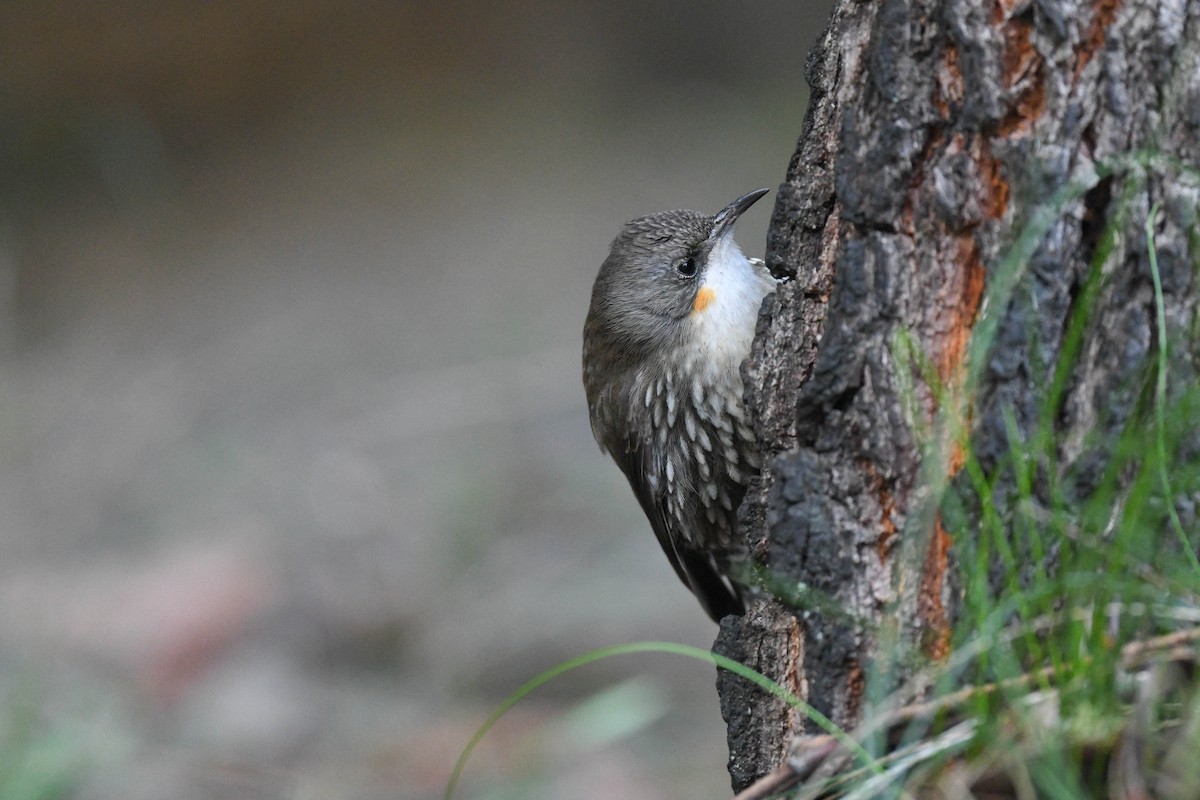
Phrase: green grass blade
[1160,394]
[755,677]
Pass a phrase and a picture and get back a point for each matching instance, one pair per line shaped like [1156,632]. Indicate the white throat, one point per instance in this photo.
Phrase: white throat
[723,328]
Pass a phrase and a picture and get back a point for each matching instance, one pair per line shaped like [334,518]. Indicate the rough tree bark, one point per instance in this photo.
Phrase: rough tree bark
[936,130]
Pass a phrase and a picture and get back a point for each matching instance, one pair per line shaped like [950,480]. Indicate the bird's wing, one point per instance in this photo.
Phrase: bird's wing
[695,565]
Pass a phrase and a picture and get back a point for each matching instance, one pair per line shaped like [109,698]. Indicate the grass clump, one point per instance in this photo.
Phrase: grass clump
[1078,627]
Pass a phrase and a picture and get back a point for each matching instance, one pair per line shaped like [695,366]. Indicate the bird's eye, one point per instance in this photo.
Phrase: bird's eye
[686,266]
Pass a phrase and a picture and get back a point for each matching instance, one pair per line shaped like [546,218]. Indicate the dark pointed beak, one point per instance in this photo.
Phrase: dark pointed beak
[724,219]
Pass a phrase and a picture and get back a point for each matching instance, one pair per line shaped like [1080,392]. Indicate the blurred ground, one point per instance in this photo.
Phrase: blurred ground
[295,470]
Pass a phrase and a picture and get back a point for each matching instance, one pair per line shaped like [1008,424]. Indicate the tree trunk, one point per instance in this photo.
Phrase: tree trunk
[951,150]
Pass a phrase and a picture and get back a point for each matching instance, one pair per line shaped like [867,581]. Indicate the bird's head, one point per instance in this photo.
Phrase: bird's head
[672,277]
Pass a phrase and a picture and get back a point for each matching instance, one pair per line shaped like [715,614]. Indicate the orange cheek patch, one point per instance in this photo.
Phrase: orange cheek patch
[704,298]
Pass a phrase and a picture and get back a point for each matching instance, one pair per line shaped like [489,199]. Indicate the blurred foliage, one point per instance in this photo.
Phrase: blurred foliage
[38,760]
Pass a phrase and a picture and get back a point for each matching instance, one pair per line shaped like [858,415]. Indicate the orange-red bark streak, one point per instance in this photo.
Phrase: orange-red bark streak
[887,531]
[856,688]
[887,508]
[1003,9]
[995,187]
[948,90]
[1104,12]
[962,309]
[930,608]
[1022,70]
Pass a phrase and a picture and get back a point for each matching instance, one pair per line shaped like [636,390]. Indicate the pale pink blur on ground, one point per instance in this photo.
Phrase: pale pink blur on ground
[296,473]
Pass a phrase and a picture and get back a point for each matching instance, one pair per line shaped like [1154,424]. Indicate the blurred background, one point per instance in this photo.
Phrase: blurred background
[296,480]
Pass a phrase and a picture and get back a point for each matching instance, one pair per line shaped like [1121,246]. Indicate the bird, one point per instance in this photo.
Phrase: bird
[672,317]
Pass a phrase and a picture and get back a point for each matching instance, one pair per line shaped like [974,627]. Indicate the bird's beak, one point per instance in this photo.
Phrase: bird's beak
[724,219]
